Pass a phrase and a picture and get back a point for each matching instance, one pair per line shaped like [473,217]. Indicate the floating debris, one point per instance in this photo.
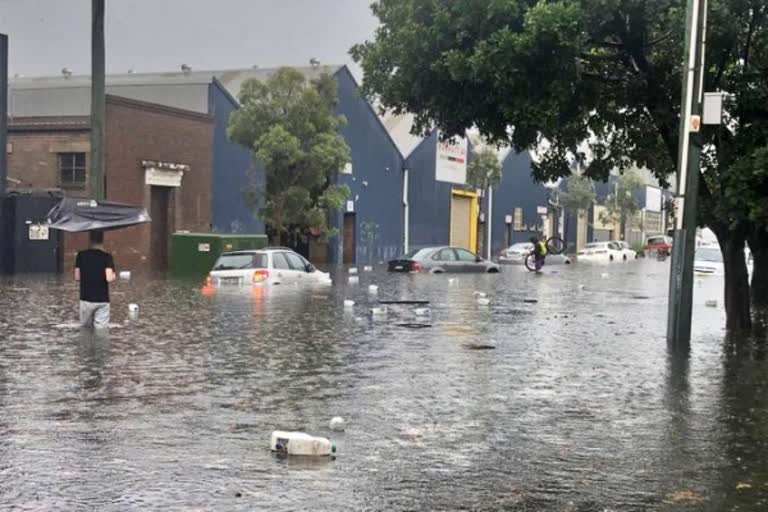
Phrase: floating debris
[413,325]
[349,303]
[299,443]
[479,346]
[337,424]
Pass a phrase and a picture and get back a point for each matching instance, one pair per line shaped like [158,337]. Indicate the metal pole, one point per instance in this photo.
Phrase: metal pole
[489,225]
[98,100]
[3,113]
[406,220]
[689,159]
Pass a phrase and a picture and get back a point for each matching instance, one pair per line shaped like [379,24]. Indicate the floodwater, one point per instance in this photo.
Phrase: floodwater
[573,404]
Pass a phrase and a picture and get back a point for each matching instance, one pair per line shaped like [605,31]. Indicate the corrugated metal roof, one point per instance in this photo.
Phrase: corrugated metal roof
[70,96]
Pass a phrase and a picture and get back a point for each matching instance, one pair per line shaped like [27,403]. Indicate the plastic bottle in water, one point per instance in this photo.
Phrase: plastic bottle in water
[299,443]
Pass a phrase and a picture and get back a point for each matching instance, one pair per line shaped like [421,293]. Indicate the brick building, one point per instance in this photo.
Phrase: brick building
[156,156]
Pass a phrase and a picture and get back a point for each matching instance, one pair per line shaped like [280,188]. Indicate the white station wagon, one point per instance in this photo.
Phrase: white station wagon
[604,252]
[270,266]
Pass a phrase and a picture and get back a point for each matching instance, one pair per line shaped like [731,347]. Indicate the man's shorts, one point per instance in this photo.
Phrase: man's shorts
[94,314]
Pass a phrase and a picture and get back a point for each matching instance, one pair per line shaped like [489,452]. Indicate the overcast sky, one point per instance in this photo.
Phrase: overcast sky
[160,35]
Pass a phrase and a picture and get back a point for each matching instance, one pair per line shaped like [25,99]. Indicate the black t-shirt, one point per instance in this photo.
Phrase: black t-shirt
[93,277]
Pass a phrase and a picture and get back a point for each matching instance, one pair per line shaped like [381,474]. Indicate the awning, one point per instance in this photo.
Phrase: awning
[77,214]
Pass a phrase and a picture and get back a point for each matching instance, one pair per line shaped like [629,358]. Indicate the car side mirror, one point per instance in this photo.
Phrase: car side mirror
[478,259]
[310,268]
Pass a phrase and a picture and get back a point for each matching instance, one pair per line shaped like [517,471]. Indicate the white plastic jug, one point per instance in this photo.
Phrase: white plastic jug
[299,443]
[125,275]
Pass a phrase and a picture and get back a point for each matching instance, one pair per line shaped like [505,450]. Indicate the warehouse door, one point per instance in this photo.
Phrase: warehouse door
[349,238]
[461,222]
[159,211]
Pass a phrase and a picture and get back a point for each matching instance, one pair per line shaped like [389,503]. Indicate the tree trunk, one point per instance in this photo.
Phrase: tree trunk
[737,304]
[758,244]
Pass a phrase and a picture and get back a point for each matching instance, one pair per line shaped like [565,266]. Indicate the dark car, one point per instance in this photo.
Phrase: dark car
[439,260]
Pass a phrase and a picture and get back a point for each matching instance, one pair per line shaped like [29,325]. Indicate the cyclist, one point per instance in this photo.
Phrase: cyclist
[539,251]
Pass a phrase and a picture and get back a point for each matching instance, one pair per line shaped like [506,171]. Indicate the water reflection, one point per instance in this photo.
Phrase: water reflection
[578,407]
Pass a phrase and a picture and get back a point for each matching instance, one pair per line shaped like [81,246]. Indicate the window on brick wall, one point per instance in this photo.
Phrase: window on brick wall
[72,169]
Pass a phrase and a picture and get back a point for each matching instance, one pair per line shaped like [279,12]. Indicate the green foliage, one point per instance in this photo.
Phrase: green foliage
[622,205]
[600,73]
[579,194]
[291,127]
[484,168]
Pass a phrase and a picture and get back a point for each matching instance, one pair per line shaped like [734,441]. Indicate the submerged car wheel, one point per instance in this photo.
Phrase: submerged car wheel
[625,257]
[493,271]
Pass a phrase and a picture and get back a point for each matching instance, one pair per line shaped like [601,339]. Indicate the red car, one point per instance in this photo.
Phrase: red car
[660,244]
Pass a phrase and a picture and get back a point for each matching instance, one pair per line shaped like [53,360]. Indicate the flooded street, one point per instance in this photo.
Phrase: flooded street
[573,403]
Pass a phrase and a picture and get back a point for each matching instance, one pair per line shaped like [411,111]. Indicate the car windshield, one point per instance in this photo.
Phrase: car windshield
[711,254]
[521,247]
[595,246]
[656,240]
[241,261]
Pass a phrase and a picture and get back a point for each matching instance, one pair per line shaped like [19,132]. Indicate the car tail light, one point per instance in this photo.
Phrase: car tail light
[208,280]
[416,266]
[260,275]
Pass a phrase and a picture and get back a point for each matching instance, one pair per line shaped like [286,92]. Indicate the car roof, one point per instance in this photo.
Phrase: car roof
[252,251]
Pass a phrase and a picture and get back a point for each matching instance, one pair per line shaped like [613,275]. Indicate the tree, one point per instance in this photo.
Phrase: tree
[579,195]
[622,206]
[484,168]
[600,73]
[291,126]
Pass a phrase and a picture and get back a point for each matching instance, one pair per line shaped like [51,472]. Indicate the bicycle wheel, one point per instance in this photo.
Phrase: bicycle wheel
[530,262]
[555,245]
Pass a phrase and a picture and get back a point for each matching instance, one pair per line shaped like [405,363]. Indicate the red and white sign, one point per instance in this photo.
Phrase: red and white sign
[451,163]
[695,124]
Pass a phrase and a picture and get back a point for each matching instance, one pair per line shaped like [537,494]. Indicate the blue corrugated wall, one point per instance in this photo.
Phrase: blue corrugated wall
[230,173]
[517,190]
[376,180]
[429,200]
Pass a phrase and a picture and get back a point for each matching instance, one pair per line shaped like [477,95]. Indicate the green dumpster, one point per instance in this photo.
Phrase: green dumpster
[193,254]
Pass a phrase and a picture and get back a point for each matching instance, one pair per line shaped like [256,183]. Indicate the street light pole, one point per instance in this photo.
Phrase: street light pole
[98,100]
[689,163]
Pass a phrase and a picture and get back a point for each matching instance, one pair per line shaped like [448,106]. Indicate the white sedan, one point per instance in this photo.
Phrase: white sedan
[270,266]
[626,251]
[605,252]
[708,260]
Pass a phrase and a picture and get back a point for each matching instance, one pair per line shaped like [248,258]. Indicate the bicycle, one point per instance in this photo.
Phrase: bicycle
[555,245]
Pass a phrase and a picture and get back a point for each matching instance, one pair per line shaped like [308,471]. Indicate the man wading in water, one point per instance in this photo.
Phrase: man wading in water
[94,269]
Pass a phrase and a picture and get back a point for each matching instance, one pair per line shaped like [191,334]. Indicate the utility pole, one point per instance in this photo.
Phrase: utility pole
[689,164]
[98,101]
[3,114]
